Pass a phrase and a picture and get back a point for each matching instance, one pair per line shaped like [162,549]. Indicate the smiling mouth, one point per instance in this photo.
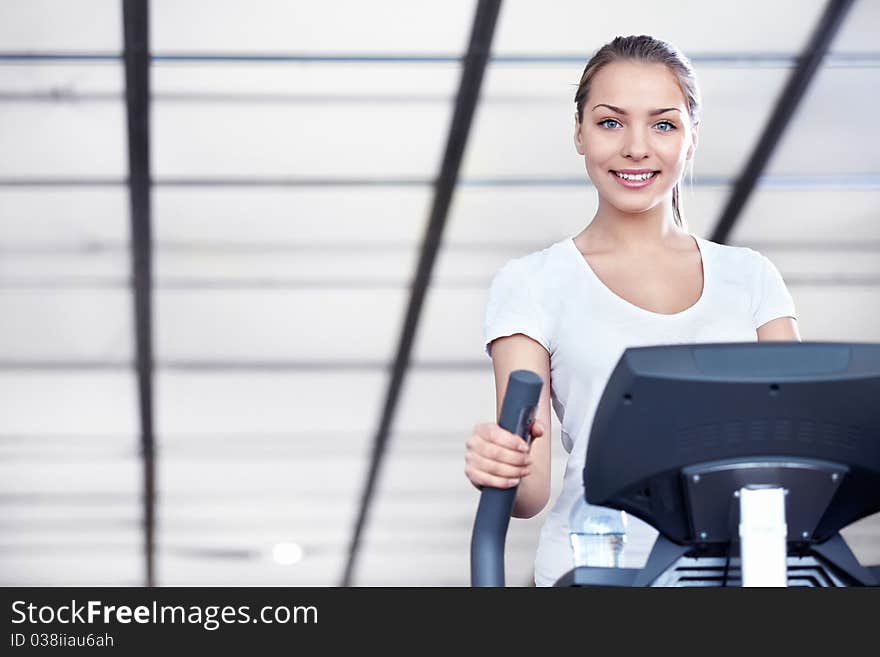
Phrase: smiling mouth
[635,181]
[635,177]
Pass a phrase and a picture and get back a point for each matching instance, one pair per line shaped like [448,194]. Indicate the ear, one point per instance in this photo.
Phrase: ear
[694,139]
[578,141]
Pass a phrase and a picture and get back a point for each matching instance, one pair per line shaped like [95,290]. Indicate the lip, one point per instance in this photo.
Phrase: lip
[634,184]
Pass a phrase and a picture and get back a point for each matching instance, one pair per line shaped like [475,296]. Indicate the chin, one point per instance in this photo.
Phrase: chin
[631,207]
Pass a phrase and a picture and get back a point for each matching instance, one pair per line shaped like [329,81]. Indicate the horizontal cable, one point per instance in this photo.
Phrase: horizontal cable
[731,59]
[864,181]
[263,248]
[197,284]
[274,365]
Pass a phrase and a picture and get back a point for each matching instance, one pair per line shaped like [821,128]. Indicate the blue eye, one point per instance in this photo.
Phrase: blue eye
[604,121]
[669,127]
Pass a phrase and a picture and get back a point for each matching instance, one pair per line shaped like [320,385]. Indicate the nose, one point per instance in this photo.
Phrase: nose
[635,145]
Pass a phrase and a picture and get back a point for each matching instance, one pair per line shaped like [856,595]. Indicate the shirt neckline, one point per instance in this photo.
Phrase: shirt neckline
[701,246]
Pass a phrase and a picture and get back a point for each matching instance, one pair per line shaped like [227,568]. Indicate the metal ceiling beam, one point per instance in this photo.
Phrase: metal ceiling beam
[474,66]
[786,106]
[137,102]
[706,58]
[863,180]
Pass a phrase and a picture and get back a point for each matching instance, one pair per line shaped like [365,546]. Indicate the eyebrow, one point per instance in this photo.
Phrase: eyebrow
[651,113]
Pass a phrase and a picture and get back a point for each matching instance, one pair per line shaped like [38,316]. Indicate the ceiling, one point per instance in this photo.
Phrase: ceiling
[294,148]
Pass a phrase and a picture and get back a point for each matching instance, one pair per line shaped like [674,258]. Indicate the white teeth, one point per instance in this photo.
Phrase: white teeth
[636,176]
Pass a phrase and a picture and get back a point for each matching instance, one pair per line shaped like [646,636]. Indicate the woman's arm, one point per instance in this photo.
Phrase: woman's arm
[520,352]
[781,328]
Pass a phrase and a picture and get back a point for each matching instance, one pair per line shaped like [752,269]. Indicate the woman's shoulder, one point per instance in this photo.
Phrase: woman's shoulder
[734,258]
[540,262]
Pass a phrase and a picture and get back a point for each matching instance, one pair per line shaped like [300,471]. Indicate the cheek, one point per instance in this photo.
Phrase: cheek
[672,150]
[598,149]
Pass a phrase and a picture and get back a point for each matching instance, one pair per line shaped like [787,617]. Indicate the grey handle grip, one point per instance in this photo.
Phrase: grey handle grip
[496,504]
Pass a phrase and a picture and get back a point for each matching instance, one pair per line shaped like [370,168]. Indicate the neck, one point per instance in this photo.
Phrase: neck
[614,229]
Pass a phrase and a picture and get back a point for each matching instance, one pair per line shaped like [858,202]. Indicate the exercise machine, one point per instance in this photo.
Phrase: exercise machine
[748,459]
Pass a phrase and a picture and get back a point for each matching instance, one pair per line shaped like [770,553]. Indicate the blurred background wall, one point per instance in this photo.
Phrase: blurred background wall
[295,149]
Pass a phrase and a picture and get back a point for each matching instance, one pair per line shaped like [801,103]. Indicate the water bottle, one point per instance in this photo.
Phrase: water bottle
[597,534]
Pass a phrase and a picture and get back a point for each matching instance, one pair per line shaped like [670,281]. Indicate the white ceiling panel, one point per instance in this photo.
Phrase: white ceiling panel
[343,26]
[61,565]
[187,507]
[328,266]
[48,25]
[70,218]
[300,82]
[522,140]
[226,503]
[452,324]
[736,106]
[814,215]
[289,443]
[835,291]
[400,139]
[569,26]
[228,499]
[240,553]
[427,397]
[53,266]
[68,139]
[837,313]
[532,136]
[63,510]
[823,265]
[45,324]
[75,515]
[235,217]
[858,34]
[68,402]
[835,126]
[286,119]
[199,402]
[403,473]
[120,475]
[50,541]
[245,552]
[204,569]
[317,325]
[68,81]
[296,481]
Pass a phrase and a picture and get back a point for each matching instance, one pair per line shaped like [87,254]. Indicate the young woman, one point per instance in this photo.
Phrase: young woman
[634,276]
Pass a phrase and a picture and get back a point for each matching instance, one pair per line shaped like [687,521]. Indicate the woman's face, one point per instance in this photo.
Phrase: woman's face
[636,136]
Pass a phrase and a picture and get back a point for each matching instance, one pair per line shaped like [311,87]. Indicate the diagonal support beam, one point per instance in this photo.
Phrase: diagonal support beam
[474,66]
[137,100]
[786,106]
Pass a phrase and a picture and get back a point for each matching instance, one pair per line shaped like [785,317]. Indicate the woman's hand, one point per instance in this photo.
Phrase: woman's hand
[496,457]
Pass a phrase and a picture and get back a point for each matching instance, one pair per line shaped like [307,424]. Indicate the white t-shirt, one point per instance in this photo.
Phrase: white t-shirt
[554,297]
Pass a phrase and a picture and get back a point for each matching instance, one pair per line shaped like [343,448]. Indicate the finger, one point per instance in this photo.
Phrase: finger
[497,468]
[479,478]
[495,452]
[537,429]
[506,439]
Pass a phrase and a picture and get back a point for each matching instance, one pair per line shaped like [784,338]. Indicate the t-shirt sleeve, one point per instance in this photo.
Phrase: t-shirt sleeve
[512,308]
[771,298]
